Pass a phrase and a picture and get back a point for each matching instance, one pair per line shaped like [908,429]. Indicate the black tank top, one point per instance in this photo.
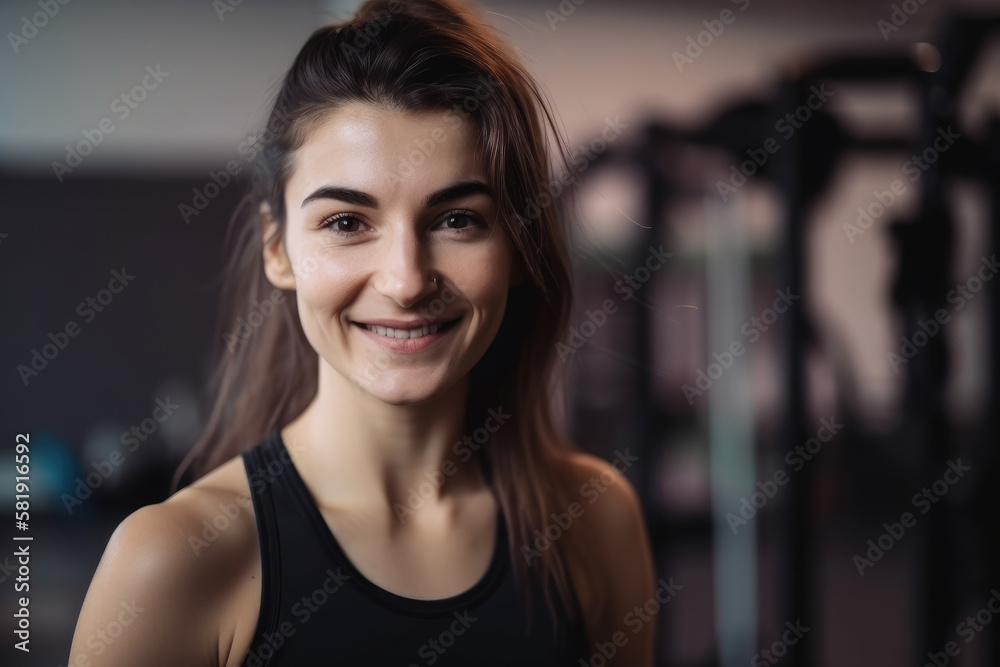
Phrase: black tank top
[317,609]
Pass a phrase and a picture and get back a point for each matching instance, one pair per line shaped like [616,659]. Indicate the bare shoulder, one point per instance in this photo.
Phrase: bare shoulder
[162,589]
[603,486]
[610,510]
[615,542]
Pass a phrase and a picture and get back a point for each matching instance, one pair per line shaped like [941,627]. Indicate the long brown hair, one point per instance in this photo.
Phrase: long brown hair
[420,56]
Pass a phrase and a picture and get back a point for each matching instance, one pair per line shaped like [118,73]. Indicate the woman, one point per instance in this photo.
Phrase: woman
[386,481]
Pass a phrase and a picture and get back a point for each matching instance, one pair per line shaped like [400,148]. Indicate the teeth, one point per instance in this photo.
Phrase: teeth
[419,332]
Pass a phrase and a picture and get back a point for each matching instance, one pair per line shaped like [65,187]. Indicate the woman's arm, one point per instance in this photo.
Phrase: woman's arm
[151,599]
[624,630]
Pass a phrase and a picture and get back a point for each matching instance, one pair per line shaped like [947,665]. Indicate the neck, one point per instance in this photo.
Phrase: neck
[356,450]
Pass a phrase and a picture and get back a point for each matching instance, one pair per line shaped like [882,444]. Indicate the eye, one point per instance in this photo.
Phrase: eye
[463,221]
[344,224]
[460,222]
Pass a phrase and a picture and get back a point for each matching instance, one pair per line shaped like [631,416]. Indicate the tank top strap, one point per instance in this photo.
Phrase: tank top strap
[256,462]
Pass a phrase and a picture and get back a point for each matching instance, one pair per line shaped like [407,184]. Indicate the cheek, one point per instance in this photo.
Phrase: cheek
[326,282]
[324,288]
[486,281]
[482,278]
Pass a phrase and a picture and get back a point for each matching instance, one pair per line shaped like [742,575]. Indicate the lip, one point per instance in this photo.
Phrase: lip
[406,324]
[405,345]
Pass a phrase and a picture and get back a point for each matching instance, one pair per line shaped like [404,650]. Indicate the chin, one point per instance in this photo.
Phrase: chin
[395,388]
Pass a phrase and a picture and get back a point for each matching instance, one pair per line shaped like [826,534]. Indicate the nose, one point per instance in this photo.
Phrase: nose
[403,273]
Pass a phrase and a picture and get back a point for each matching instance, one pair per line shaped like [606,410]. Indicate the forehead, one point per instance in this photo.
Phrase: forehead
[391,154]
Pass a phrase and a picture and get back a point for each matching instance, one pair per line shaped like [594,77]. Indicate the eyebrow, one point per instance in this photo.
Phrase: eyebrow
[359,198]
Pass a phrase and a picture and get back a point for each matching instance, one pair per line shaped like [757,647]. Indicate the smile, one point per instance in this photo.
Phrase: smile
[418,332]
[407,341]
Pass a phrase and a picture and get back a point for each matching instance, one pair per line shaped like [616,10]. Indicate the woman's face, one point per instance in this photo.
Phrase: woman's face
[378,204]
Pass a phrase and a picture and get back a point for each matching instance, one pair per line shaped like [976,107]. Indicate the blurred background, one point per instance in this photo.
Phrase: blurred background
[792,207]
